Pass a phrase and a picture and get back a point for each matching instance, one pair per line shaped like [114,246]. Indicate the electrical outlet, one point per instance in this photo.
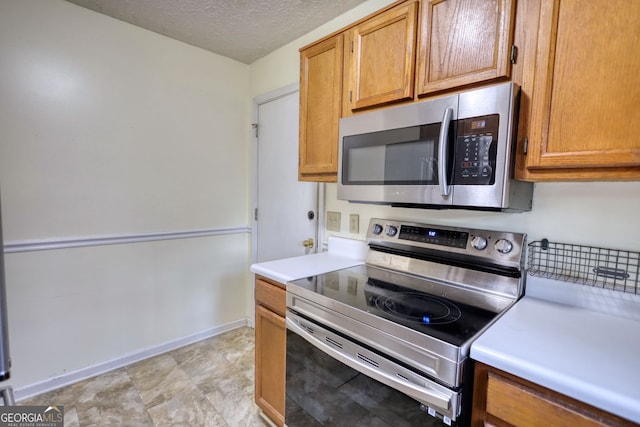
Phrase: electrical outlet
[354,223]
[333,221]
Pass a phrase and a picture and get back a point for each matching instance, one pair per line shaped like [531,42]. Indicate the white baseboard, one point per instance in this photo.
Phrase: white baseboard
[68,378]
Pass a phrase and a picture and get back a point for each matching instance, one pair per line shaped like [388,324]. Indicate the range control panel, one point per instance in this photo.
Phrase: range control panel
[436,236]
[479,243]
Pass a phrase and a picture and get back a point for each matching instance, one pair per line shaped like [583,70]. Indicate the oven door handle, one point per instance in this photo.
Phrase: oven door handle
[426,395]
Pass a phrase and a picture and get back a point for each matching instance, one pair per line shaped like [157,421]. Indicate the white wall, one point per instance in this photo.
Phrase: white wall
[110,130]
[153,126]
[594,213]
[597,213]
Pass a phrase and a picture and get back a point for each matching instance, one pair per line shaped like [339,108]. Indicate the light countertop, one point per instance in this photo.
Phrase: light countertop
[570,345]
[342,253]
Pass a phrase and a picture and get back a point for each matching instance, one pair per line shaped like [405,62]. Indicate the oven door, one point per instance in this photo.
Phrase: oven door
[332,379]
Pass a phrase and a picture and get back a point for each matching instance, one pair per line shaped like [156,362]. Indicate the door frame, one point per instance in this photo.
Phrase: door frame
[319,232]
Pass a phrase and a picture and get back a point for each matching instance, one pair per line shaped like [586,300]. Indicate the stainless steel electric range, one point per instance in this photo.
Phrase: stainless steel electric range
[387,343]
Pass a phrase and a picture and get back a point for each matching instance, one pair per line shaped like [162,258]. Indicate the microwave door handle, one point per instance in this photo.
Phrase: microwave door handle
[443,152]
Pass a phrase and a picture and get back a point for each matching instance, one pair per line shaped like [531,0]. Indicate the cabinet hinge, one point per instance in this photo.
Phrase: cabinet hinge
[525,145]
[351,46]
[514,54]
[255,128]
[255,214]
[350,95]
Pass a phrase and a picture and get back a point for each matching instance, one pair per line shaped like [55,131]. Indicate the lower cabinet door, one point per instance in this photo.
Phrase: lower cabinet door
[500,398]
[270,363]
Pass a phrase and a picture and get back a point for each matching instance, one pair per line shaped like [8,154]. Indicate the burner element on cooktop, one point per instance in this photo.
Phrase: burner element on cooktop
[419,308]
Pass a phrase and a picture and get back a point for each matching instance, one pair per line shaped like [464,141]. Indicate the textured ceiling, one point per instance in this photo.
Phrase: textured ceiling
[244,30]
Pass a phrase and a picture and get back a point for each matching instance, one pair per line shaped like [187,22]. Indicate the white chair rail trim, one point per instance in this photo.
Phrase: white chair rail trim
[49,244]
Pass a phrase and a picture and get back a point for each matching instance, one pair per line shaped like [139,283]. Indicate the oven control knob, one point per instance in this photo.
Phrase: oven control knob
[479,243]
[392,230]
[377,229]
[504,246]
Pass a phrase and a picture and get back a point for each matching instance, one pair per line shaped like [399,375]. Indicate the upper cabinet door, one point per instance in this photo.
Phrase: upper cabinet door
[382,58]
[321,68]
[585,97]
[463,42]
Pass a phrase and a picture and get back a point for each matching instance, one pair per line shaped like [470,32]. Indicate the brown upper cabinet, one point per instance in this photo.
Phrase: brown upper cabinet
[321,70]
[575,62]
[381,58]
[463,42]
[581,90]
[394,56]
[372,64]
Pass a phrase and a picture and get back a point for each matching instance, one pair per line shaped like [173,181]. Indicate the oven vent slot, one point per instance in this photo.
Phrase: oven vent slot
[403,377]
[368,360]
[333,342]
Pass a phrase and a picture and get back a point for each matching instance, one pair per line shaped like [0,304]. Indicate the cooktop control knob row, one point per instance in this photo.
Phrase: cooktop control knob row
[377,229]
[503,246]
[392,230]
[479,243]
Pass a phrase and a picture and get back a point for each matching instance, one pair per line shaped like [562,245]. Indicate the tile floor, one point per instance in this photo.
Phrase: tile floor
[209,383]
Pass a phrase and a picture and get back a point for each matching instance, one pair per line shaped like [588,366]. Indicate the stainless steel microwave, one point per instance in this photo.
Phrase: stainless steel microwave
[455,151]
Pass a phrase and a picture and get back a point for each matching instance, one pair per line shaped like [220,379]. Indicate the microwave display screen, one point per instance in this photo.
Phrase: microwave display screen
[478,124]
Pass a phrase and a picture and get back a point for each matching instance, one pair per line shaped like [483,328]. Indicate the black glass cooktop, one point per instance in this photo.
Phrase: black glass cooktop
[427,309]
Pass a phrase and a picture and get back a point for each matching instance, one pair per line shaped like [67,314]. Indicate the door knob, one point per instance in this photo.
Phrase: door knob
[308,243]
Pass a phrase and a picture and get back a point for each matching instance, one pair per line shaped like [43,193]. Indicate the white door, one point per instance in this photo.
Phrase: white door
[287,209]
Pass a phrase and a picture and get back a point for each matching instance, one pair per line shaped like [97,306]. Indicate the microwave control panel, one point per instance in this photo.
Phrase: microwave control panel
[476,150]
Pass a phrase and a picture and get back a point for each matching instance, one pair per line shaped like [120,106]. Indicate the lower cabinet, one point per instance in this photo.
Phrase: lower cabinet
[501,399]
[270,348]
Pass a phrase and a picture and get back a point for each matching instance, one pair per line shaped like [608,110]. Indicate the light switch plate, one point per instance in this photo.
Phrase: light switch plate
[333,221]
[354,223]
